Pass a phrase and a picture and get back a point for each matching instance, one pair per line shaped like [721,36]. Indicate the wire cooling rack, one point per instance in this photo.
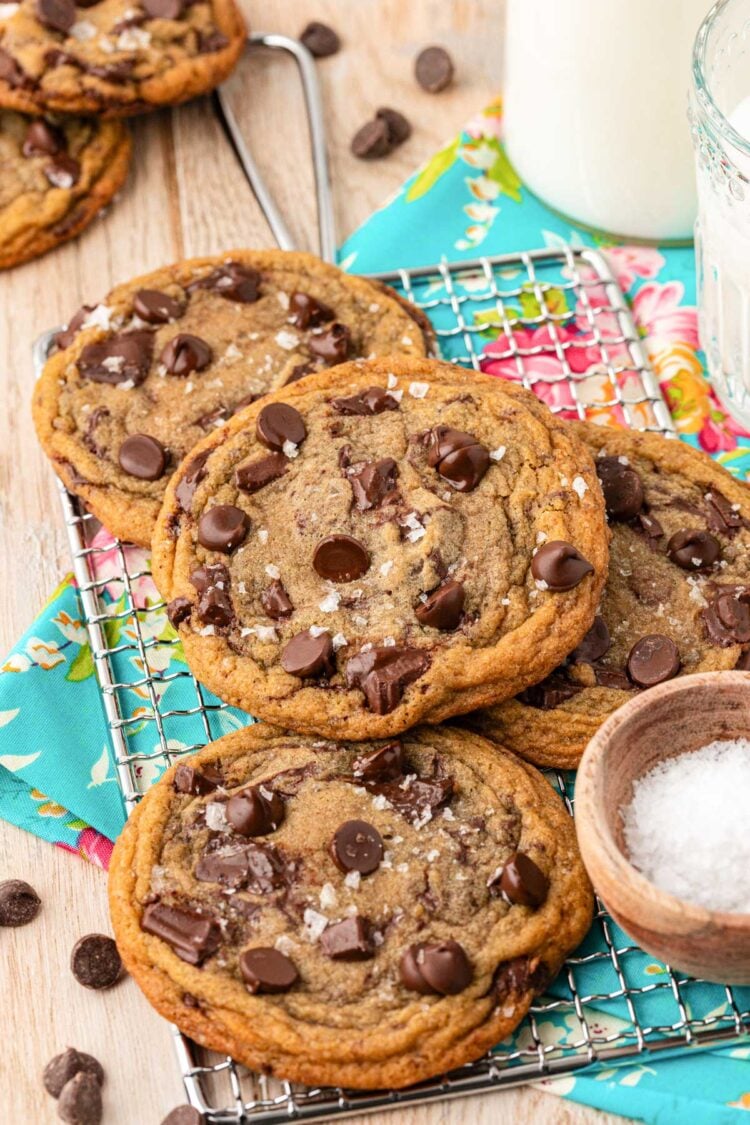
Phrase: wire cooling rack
[556,321]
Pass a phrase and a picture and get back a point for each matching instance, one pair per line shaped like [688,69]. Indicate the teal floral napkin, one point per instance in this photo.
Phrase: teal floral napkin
[57,777]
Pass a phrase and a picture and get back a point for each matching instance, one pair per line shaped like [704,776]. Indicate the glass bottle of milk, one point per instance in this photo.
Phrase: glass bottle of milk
[595,110]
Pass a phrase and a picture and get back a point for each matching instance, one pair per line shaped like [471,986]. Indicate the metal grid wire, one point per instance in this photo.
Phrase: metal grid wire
[513,312]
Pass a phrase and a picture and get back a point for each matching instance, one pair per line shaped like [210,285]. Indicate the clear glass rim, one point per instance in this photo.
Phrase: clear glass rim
[702,90]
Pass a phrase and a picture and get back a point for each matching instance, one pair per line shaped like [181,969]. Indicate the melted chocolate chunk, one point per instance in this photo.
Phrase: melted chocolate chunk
[223,528]
[444,607]
[255,811]
[373,400]
[233,281]
[120,359]
[185,353]
[521,975]
[276,602]
[192,475]
[348,940]
[178,610]
[156,307]
[279,423]
[521,881]
[652,660]
[550,693]
[622,488]
[143,457]
[459,457]
[612,678]
[63,171]
[192,936]
[722,516]
[374,483]
[307,312]
[215,608]
[57,15]
[42,139]
[594,645]
[383,764]
[206,577]
[382,673]
[257,474]
[331,345]
[12,73]
[560,565]
[258,867]
[357,846]
[648,525]
[307,656]
[727,616]
[415,798]
[436,968]
[194,782]
[340,558]
[693,549]
[264,969]
[228,866]
[65,338]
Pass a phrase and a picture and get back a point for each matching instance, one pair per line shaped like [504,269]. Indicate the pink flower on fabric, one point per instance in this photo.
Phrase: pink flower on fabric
[630,262]
[91,845]
[662,319]
[715,439]
[106,564]
[543,371]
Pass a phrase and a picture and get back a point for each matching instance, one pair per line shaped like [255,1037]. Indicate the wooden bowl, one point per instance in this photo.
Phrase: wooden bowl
[680,715]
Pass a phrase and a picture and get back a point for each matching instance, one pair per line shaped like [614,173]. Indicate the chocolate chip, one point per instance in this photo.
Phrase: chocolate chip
[550,693]
[62,171]
[65,338]
[184,1115]
[192,475]
[143,457]
[357,846]
[80,1101]
[382,674]
[233,281]
[42,139]
[307,312]
[521,881]
[693,549]
[332,344]
[383,764]
[278,423]
[436,968]
[178,610]
[19,903]
[255,811]
[264,969]
[276,601]
[196,783]
[560,565]
[433,69]
[185,353]
[594,645]
[156,307]
[95,962]
[257,474]
[308,656]
[458,457]
[120,359]
[727,616]
[722,516]
[444,607]
[652,660]
[65,1066]
[399,129]
[58,15]
[320,40]
[348,940]
[12,73]
[622,488]
[373,483]
[340,558]
[192,936]
[372,140]
[223,528]
[373,400]
[215,608]
[163,9]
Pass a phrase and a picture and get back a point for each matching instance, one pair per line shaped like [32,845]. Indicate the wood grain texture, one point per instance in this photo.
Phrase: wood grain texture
[186,195]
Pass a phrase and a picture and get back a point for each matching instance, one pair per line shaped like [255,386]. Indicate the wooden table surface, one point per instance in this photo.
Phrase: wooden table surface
[185,196]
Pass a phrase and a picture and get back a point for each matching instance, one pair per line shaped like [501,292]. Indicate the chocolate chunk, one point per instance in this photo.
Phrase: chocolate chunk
[233,281]
[340,558]
[184,1115]
[178,610]
[185,353]
[255,811]
[307,656]
[143,457]
[372,140]
[433,69]
[80,1101]
[267,871]
[743,661]
[194,782]
[163,9]
[357,846]
[560,565]
[95,962]
[264,969]
[59,1070]
[722,516]
[12,73]
[215,608]
[444,607]
[62,171]
[298,372]
[332,344]
[649,525]
[436,968]
[374,483]
[612,678]
[693,549]
[19,903]
[257,474]
[320,39]
[43,139]
[228,866]
[65,338]
[307,312]
[594,645]
[458,457]
[348,940]
[276,601]
[211,41]
[384,764]
[156,307]
[550,693]
[192,936]
[727,616]
[399,129]
[521,975]
[207,577]
[382,674]
[373,400]
[213,418]
[415,798]
[223,528]
[521,881]
[57,15]
[192,475]
[120,359]
[278,423]
[622,488]
[119,71]
[652,660]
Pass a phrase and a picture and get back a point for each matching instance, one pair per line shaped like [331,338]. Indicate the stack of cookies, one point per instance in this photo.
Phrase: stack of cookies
[67,71]
[356,544]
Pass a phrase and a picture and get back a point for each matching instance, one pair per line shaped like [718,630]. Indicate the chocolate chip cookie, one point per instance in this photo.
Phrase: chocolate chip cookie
[380,545]
[55,174]
[360,915]
[677,598]
[112,57]
[165,359]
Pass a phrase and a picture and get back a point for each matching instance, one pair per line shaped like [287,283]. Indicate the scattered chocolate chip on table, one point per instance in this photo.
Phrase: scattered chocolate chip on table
[95,962]
[320,40]
[433,69]
[19,903]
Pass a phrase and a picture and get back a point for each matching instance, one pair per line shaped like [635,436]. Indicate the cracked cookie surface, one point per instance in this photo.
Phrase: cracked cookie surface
[387,543]
[360,915]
